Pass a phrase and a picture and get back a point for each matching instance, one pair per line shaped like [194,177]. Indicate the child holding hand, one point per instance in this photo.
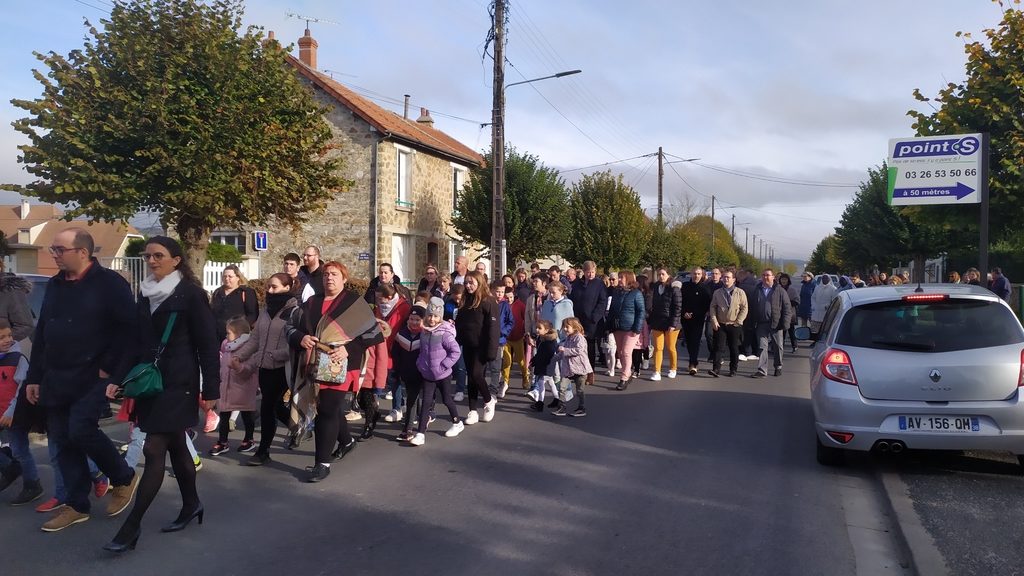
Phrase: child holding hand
[238,386]
[574,365]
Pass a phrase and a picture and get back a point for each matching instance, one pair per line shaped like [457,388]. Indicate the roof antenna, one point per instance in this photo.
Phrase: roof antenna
[309,19]
[919,289]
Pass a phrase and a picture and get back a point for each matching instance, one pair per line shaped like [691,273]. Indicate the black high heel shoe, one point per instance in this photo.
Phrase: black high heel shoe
[182,523]
[369,427]
[128,544]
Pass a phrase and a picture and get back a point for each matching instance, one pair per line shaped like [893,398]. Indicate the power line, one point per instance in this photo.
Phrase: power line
[104,10]
[606,163]
[367,93]
[774,179]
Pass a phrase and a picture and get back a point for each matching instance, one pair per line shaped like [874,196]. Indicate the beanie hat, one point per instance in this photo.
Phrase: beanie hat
[419,310]
[436,307]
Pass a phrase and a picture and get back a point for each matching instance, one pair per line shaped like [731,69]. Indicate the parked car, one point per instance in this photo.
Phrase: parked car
[899,367]
[35,298]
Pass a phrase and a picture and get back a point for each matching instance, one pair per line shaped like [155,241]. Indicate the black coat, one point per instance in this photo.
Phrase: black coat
[192,348]
[478,329]
[84,326]
[589,303]
[696,300]
[241,302]
[371,291]
[665,307]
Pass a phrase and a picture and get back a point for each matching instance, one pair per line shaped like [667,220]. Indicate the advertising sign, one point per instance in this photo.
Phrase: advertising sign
[935,170]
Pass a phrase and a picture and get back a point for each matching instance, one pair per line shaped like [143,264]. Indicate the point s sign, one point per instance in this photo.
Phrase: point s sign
[958,146]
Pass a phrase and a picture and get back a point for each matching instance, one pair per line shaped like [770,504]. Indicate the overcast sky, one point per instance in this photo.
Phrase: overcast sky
[802,90]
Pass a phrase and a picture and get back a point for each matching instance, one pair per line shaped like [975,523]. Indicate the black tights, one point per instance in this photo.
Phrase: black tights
[477,382]
[330,426]
[368,403]
[224,428]
[447,390]
[155,449]
[273,383]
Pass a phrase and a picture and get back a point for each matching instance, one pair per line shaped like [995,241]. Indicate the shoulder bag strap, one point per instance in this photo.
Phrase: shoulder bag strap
[165,337]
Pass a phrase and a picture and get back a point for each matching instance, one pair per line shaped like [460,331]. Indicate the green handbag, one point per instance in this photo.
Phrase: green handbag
[145,380]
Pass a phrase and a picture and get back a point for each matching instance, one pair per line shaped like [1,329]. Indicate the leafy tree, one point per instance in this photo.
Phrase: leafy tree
[724,251]
[217,252]
[988,100]
[135,247]
[608,224]
[789,268]
[169,109]
[671,246]
[825,257]
[535,205]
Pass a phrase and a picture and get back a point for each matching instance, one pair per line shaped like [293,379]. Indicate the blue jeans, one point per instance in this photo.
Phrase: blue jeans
[59,491]
[397,390]
[459,372]
[22,453]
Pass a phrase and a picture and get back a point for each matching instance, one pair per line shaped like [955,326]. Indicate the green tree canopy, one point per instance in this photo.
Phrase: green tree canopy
[724,252]
[536,202]
[988,100]
[608,224]
[825,257]
[170,108]
[672,246]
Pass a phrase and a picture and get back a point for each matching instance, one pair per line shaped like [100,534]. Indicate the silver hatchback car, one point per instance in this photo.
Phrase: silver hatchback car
[938,367]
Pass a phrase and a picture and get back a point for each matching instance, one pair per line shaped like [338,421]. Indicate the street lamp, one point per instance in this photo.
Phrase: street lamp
[499,264]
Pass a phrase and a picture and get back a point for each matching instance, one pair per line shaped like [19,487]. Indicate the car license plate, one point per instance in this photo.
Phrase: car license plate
[939,424]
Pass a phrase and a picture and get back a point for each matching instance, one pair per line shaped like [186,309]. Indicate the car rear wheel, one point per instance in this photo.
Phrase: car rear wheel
[829,456]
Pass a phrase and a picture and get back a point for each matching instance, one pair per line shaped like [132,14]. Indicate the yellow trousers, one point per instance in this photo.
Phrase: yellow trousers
[662,340]
[514,351]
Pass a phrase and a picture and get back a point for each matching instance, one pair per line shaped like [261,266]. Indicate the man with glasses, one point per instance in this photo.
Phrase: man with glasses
[728,311]
[772,313]
[84,340]
[311,273]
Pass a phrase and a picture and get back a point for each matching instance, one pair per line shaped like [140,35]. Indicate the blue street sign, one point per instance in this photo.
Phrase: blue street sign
[260,240]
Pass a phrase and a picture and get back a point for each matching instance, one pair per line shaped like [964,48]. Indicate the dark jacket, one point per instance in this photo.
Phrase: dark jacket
[505,322]
[371,291]
[523,291]
[84,326]
[749,287]
[696,300]
[311,312]
[627,311]
[806,292]
[774,309]
[543,361]
[241,302]
[1001,287]
[192,349]
[589,303]
[14,306]
[435,290]
[405,351]
[478,329]
[315,278]
[666,306]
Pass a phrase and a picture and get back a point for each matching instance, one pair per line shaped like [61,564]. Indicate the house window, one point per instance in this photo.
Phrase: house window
[455,249]
[458,183]
[230,238]
[404,179]
[403,256]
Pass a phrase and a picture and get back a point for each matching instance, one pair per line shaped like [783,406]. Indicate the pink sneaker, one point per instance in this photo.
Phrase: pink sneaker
[100,486]
[50,505]
[212,422]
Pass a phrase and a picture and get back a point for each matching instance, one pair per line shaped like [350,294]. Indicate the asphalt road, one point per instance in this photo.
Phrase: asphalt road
[684,476]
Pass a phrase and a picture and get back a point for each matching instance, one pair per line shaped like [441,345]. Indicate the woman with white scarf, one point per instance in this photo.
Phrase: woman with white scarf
[171,293]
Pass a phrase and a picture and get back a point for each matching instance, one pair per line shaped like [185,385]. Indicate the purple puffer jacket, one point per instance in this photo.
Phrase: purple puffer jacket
[438,352]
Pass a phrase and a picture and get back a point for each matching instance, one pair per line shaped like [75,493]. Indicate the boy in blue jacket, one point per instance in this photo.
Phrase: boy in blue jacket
[505,324]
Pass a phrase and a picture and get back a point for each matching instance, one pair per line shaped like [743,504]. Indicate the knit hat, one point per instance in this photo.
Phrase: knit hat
[419,310]
[436,307]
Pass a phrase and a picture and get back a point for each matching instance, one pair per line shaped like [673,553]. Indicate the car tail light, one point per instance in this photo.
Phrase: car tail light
[841,437]
[925,297]
[836,366]
[1020,375]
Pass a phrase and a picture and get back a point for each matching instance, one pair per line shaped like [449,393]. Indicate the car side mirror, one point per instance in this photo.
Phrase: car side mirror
[802,333]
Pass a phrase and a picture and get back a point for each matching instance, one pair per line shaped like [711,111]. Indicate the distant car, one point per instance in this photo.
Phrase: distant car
[897,368]
[35,298]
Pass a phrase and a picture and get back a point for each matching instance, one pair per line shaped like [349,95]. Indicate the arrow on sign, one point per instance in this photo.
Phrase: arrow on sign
[960,191]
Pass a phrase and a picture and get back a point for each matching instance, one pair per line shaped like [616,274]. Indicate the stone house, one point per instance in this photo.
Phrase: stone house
[405,175]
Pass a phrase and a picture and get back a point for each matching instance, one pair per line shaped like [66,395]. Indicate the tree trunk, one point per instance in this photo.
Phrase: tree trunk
[195,238]
[918,275]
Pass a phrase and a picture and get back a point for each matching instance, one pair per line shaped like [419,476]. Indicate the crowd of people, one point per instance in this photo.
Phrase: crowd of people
[315,355]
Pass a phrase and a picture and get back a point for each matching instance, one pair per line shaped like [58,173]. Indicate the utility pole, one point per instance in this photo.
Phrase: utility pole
[746,238]
[498,145]
[712,263]
[733,228]
[661,180]
[753,247]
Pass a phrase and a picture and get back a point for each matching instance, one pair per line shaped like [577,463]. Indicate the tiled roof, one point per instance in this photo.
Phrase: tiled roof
[11,220]
[387,121]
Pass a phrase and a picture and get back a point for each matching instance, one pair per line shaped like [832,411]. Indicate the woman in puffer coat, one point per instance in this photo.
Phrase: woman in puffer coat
[822,297]
[626,316]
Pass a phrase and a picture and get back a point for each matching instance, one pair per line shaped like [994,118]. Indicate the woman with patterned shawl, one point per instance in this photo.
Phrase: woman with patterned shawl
[332,334]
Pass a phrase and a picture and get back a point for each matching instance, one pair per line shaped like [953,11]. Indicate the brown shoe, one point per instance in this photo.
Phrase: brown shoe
[590,379]
[121,496]
[66,517]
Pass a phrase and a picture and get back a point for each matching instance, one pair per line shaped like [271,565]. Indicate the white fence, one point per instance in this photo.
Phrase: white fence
[134,270]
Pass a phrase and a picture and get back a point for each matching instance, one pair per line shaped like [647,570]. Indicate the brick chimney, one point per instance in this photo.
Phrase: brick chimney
[425,118]
[307,50]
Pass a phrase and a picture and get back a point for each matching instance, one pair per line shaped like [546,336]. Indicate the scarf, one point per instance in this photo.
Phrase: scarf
[276,302]
[159,290]
[388,305]
[236,343]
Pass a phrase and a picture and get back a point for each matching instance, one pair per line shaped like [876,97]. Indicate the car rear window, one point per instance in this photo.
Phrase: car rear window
[944,326]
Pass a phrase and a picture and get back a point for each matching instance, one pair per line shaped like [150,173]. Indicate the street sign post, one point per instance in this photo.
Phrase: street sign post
[936,170]
[260,241]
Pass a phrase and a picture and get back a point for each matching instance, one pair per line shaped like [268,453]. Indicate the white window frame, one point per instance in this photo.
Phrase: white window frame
[405,161]
[459,178]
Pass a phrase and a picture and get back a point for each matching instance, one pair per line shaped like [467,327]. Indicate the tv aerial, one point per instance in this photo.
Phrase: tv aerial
[309,19]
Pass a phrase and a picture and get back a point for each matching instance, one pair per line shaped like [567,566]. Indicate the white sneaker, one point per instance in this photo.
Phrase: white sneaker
[418,440]
[532,395]
[472,418]
[671,373]
[618,365]
[455,430]
[459,397]
[743,358]
[656,377]
[489,410]
[393,416]
[504,388]
[389,396]
[611,372]
[352,416]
